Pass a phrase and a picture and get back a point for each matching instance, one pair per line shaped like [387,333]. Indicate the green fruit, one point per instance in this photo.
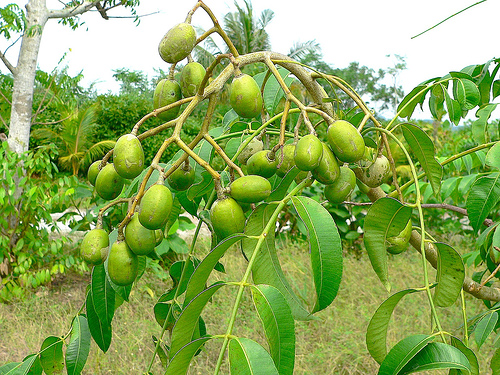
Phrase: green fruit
[191,77]
[342,187]
[255,145]
[285,159]
[128,156]
[377,173]
[495,256]
[245,97]
[301,176]
[159,236]
[308,152]
[138,238]
[328,169]
[177,43]
[398,244]
[261,164]
[155,207]
[227,217]
[108,183]
[181,179]
[167,92]
[93,171]
[123,264]
[250,189]
[346,142]
[94,247]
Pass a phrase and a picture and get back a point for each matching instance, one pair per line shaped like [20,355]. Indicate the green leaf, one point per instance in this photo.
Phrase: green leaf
[376,333]
[402,353]
[267,269]
[495,363]
[17,368]
[450,275]
[423,148]
[246,357]
[466,93]
[187,322]
[471,356]
[101,333]
[279,326]
[325,248]
[453,108]
[51,355]
[162,355]
[483,196]
[484,328]
[410,101]
[496,89]
[387,217]
[273,92]
[436,355]
[280,191]
[180,361]
[480,126]
[493,156]
[103,295]
[79,345]
[229,118]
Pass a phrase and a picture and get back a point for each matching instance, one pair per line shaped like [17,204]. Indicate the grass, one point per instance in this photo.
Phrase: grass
[332,344]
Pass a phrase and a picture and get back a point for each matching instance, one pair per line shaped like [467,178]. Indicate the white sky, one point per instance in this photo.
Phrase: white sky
[357,30]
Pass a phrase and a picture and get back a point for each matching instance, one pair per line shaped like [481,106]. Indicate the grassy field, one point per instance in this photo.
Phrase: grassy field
[332,344]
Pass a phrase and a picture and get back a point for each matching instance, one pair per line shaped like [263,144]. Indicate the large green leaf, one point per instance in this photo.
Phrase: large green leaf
[424,150]
[410,101]
[376,333]
[280,190]
[450,275]
[387,217]
[246,357]
[22,368]
[453,108]
[279,326]
[466,93]
[180,361]
[402,353]
[469,353]
[51,355]
[480,126]
[267,269]
[493,156]
[485,327]
[436,355]
[325,248]
[103,295]
[483,196]
[495,363]
[79,345]
[101,333]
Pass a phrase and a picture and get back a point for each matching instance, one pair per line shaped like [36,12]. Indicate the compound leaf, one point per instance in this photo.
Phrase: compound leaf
[493,156]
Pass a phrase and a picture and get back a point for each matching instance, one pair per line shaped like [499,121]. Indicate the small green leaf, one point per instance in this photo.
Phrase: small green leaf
[436,355]
[79,346]
[466,93]
[484,328]
[483,196]
[51,355]
[450,275]
[493,156]
[180,361]
[246,357]
[480,126]
[402,353]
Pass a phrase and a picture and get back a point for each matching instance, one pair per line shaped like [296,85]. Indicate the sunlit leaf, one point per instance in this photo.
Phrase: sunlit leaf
[485,327]
[402,353]
[410,101]
[453,108]
[51,355]
[101,333]
[436,355]
[483,196]
[493,156]
[466,93]
[450,275]
[180,361]
[248,357]
[79,346]
[469,353]
[480,126]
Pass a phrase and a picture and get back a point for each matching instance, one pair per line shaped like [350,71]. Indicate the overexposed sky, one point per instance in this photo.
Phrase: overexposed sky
[362,30]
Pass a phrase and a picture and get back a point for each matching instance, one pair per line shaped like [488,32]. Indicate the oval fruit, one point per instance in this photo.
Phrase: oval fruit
[342,187]
[138,238]
[155,207]
[245,97]
[123,264]
[250,189]
[227,217]
[308,152]
[255,145]
[108,183]
[93,171]
[285,159]
[398,244]
[177,43]
[191,77]
[328,169]
[167,92]
[181,179]
[159,236]
[377,173]
[94,247]
[261,164]
[346,142]
[128,156]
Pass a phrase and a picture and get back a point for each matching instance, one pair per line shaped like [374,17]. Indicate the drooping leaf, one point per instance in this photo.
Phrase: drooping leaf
[483,196]
[493,156]
[495,363]
[279,191]
[466,93]
[246,357]
[273,92]
[436,355]
[376,333]
[101,333]
[19,368]
[402,353]
[51,355]
[480,126]
[450,275]
[410,101]
[103,295]
[279,326]
[79,345]
[325,248]
[496,89]
[485,327]
[180,361]
[469,353]
[423,148]
[453,108]
[386,217]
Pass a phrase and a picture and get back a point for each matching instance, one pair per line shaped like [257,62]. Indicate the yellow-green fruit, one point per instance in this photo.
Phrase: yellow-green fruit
[261,164]
[108,183]
[362,187]
[285,159]
[255,145]
[328,169]
[308,152]
[94,247]
[346,142]
[398,244]
[227,217]
[159,236]
[191,76]
[128,156]
[245,97]
[250,189]
[377,173]
[177,43]
[181,179]
[342,187]
[123,264]
[155,207]
[138,238]
[167,92]
[301,176]
[93,171]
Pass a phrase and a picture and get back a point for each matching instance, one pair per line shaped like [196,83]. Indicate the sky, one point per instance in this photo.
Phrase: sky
[365,31]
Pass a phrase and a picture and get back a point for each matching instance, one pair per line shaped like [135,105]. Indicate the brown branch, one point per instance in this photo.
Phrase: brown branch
[462,211]
[7,63]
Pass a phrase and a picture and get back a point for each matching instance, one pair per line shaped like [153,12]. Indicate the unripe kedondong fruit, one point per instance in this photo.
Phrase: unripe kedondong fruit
[128,156]
[93,171]
[94,247]
[182,178]
[108,183]
[346,142]
[261,164]
[250,189]
[138,238]
[177,43]
[245,96]
[342,187]
[285,159]
[255,145]
[308,152]
[227,217]
[191,77]
[377,173]
[167,92]
[155,207]
[398,244]
[328,170]
[123,264]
